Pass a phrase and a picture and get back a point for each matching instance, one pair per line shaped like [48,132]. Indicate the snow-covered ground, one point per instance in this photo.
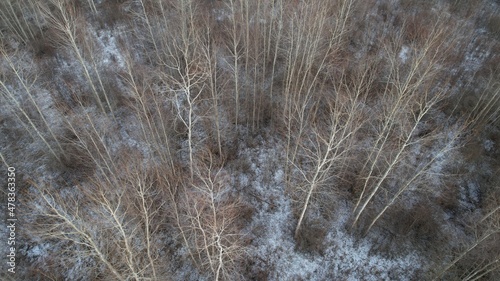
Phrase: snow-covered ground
[273,248]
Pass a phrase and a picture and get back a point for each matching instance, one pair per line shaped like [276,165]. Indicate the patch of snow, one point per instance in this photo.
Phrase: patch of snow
[274,247]
[345,254]
[243,180]
[278,176]
[111,54]
[403,54]
[38,250]
[221,14]
[443,153]
[488,145]
[470,195]
[81,267]
[475,56]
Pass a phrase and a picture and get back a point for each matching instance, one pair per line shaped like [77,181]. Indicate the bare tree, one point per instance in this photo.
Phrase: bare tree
[116,224]
[487,230]
[15,97]
[330,144]
[307,52]
[236,38]
[411,92]
[210,219]
[153,114]
[14,16]
[71,27]
[187,97]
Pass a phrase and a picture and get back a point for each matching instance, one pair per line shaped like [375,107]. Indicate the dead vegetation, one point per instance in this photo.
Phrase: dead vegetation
[141,111]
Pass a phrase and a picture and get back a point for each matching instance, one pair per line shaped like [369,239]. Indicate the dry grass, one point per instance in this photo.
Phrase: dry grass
[311,237]
[493,25]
